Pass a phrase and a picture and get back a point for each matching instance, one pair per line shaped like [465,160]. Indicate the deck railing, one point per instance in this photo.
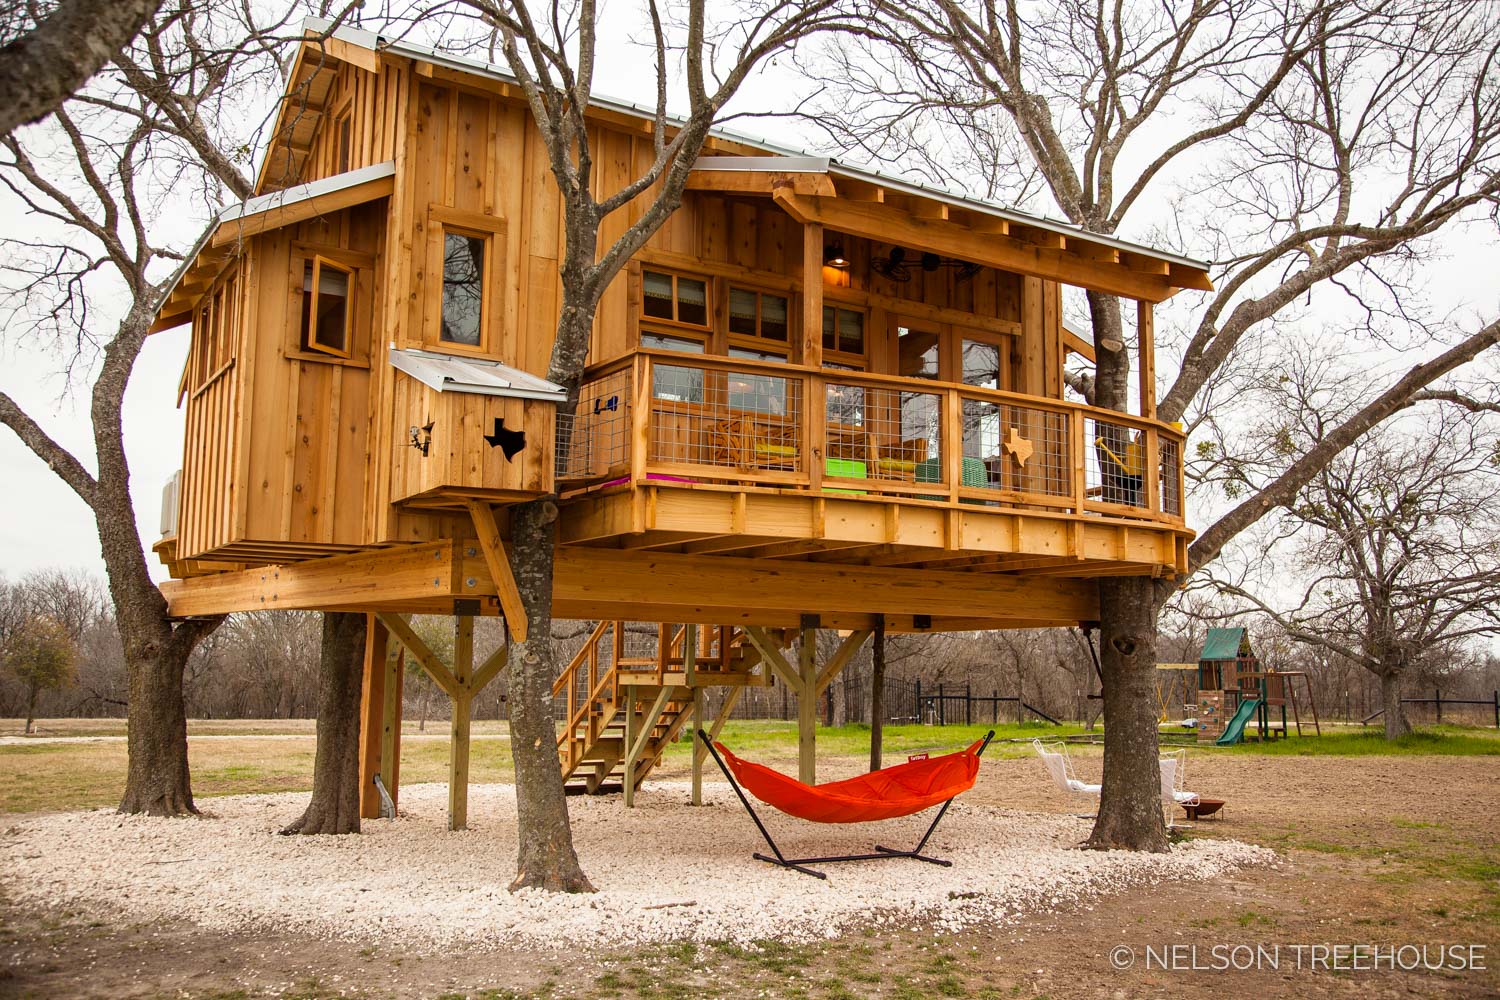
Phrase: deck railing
[666,416]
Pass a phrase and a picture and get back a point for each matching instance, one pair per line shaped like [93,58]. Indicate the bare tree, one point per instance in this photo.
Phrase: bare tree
[95,231]
[1401,536]
[1312,146]
[552,52]
[46,58]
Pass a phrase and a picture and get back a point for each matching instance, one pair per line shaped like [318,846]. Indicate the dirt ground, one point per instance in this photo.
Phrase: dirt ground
[1384,852]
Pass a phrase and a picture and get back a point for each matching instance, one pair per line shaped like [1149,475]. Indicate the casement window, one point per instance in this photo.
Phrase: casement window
[844,336]
[758,315]
[674,298]
[327,314]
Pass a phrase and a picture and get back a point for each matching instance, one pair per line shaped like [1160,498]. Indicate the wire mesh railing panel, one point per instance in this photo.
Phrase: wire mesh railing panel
[745,420]
[1171,477]
[1114,463]
[595,442]
[884,434]
[1019,449]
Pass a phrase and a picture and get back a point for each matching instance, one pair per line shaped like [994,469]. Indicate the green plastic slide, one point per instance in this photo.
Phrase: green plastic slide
[1236,729]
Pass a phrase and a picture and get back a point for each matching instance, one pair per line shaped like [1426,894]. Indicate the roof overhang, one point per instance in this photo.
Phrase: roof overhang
[262,214]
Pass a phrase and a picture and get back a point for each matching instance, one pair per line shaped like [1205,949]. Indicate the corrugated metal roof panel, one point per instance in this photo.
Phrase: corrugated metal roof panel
[447,373]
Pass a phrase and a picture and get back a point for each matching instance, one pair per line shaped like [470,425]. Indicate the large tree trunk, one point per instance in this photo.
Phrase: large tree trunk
[157,781]
[31,693]
[545,858]
[335,794]
[1130,813]
[1397,724]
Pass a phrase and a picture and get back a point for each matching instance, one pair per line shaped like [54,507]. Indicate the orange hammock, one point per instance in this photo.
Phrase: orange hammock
[885,794]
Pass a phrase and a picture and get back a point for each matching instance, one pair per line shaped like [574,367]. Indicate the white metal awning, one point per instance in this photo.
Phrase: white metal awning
[447,373]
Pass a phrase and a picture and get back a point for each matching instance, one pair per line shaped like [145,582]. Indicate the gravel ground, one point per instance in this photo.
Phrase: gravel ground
[664,871]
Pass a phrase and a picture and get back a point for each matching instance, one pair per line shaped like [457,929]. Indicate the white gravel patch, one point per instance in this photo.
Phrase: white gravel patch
[664,871]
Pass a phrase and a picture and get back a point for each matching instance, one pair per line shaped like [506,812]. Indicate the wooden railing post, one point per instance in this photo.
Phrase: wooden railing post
[640,418]
[1151,470]
[953,441]
[1078,442]
[815,428]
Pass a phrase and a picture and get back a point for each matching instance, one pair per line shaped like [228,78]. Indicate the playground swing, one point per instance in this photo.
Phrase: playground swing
[889,793]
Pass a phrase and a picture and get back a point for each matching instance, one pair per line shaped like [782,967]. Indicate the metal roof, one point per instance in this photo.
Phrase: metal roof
[307,192]
[480,376]
[377,43]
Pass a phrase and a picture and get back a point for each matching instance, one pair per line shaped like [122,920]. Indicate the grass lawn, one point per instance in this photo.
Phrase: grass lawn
[251,756]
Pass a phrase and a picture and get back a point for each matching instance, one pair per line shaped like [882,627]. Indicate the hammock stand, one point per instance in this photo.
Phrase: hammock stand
[880,853]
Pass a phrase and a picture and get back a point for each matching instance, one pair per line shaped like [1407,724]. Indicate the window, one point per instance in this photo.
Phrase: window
[981,364]
[345,143]
[674,297]
[843,330]
[325,312]
[754,391]
[662,342]
[757,314]
[919,352]
[462,315]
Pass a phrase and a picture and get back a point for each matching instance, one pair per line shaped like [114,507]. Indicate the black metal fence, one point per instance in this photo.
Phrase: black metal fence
[1463,705]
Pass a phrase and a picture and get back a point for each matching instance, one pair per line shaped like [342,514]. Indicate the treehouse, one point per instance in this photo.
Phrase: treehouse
[819,397]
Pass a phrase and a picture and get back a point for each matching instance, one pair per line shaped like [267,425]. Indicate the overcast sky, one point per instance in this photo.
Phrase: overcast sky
[43,524]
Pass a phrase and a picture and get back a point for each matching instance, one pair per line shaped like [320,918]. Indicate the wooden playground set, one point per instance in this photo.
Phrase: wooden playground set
[820,398]
[1229,689]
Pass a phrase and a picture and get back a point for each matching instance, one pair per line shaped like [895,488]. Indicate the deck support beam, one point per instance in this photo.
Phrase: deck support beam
[462,683]
[807,707]
[380,718]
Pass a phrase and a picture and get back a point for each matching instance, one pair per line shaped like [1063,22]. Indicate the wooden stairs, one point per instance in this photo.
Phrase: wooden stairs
[633,687]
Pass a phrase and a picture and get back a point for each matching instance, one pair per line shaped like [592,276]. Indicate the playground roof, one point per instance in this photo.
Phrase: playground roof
[1224,644]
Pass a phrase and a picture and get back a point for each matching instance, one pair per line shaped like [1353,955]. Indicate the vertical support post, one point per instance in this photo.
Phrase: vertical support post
[631,725]
[877,695]
[690,673]
[390,732]
[1145,328]
[807,707]
[1437,699]
[371,717]
[1497,708]
[812,295]
[921,716]
[458,753]
[968,703]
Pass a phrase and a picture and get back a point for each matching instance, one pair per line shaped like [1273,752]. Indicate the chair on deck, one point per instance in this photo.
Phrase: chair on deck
[1060,767]
[755,441]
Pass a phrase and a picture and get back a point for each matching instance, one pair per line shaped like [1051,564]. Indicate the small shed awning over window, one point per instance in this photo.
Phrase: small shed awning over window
[446,373]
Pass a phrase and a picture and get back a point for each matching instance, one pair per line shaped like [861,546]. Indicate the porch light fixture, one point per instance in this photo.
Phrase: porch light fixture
[833,255]
[898,265]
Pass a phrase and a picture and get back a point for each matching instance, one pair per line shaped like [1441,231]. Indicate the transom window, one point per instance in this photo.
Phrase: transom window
[757,314]
[674,297]
[326,313]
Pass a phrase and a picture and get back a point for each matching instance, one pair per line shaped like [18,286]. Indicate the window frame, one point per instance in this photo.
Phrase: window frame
[707,329]
[361,303]
[855,362]
[346,353]
[443,220]
[758,341]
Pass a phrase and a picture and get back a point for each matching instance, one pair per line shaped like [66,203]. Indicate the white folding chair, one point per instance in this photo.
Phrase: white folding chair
[1060,767]
[1173,769]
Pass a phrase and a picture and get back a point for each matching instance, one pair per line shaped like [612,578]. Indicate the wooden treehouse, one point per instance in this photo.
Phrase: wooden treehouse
[820,398]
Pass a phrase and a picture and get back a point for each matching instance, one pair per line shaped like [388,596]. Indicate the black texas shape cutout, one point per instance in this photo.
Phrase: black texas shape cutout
[510,442]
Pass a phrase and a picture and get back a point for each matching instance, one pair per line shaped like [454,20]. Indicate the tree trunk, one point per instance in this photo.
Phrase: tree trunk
[31,709]
[1130,813]
[545,858]
[877,696]
[157,780]
[1397,724]
[335,794]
